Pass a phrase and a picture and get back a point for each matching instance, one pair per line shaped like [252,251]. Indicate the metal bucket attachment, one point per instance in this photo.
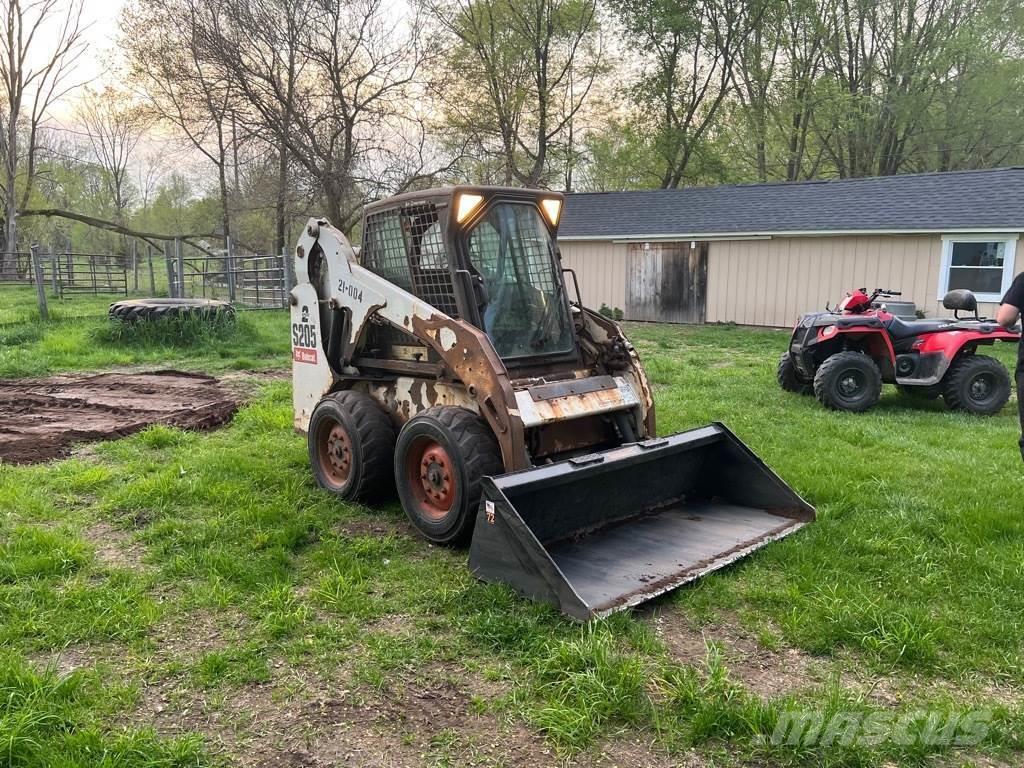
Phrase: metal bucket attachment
[600,533]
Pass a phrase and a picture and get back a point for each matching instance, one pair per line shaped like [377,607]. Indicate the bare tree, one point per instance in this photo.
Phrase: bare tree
[39,45]
[168,61]
[521,72]
[332,83]
[115,126]
[690,50]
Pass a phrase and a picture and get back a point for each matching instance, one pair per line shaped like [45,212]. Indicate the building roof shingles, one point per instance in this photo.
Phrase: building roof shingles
[958,200]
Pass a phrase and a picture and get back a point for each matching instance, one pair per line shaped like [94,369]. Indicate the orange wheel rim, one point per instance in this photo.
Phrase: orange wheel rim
[432,478]
[334,451]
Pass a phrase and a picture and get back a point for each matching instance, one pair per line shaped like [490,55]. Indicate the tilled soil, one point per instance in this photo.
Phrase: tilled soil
[40,419]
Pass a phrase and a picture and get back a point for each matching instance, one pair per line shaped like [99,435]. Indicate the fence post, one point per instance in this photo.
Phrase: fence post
[230,269]
[53,270]
[171,281]
[152,277]
[180,264]
[135,266]
[289,274]
[37,270]
[92,270]
[71,264]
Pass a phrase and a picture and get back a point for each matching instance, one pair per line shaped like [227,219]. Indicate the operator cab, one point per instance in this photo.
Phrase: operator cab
[484,254]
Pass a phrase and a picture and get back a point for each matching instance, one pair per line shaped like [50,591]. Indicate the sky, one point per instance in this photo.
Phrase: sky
[101,19]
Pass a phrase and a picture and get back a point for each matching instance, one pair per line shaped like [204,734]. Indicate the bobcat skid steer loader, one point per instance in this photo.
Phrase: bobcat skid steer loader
[448,361]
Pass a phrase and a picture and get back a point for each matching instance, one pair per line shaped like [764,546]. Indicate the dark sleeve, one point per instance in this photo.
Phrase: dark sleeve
[1015,295]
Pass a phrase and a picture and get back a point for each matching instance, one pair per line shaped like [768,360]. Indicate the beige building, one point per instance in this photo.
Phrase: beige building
[762,254]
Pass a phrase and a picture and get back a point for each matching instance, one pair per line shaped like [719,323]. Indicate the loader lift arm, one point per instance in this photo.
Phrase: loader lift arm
[468,354]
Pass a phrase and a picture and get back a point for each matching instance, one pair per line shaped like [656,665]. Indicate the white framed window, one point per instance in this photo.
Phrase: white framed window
[980,263]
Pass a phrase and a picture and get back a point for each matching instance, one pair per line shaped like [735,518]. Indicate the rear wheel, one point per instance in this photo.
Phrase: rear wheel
[441,457]
[351,446]
[848,381]
[789,378]
[977,384]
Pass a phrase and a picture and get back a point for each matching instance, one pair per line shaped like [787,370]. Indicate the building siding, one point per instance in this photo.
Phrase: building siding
[772,282]
[600,266]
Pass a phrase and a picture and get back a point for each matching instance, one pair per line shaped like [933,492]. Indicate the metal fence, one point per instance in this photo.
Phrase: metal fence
[47,282]
[249,281]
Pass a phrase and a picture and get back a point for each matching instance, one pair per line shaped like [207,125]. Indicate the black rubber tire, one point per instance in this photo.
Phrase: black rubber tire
[371,445]
[469,442]
[136,310]
[789,378]
[960,385]
[925,393]
[833,376]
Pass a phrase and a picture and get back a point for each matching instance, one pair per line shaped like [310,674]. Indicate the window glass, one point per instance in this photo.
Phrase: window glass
[526,312]
[977,266]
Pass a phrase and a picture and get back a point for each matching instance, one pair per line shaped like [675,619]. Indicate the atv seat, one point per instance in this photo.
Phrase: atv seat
[902,329]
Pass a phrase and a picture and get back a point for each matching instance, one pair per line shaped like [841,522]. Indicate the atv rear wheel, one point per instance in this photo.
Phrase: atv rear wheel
[789,377]
[351,444]
[848,381]
[977,384]
[441,456]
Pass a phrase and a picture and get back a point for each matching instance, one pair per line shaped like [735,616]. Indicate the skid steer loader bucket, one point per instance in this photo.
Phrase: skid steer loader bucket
[600,533]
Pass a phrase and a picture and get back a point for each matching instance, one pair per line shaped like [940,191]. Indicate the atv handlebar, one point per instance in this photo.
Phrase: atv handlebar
[879,292]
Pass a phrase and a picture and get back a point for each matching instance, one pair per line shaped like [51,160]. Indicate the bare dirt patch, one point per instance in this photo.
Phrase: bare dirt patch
[41,418]
[768,673]
[114,547]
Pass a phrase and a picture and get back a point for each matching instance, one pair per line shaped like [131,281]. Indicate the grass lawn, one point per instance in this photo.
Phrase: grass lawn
[176,599]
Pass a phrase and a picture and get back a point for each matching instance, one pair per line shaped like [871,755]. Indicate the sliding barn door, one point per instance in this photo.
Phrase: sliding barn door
[667,282]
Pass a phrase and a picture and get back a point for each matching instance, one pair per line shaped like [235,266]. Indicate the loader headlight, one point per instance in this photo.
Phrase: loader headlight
[465,205]
[552,208]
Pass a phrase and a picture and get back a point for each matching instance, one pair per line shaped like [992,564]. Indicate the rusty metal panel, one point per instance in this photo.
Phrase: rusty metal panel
[667,282]
[573,405]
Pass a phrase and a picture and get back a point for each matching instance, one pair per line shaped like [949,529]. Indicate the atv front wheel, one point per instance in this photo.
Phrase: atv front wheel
[977,384]
[351,443]
[789,377]
[441,456]
[848,381]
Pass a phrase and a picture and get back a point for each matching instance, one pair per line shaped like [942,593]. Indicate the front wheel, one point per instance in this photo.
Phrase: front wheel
[848,381]
[977,384]
[441,456]
[789,377]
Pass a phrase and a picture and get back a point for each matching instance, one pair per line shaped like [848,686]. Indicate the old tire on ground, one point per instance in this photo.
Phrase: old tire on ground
[351,444]
[441,456]
[848,381]
[135,310]
[789,378]
[977,384]
[925,393]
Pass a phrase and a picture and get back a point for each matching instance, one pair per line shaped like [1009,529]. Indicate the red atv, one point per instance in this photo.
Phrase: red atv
[844,355]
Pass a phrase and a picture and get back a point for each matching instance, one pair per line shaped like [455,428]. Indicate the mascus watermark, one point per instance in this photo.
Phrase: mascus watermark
[809,728]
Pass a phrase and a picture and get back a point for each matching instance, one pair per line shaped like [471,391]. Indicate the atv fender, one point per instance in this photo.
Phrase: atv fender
[938,351]
[870,337]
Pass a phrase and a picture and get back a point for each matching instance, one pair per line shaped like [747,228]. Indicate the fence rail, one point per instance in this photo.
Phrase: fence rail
[82,284]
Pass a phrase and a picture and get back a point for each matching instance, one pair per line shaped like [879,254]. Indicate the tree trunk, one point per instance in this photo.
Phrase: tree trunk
[282,194]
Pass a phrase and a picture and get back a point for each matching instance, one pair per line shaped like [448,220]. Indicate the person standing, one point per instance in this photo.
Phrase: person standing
[1009,313]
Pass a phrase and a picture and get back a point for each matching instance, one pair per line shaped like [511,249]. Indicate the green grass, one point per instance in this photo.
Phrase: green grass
[256,339]
[912,574]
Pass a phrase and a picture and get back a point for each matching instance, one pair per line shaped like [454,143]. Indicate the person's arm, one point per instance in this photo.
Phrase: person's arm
[1007,315]
[1010,307]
